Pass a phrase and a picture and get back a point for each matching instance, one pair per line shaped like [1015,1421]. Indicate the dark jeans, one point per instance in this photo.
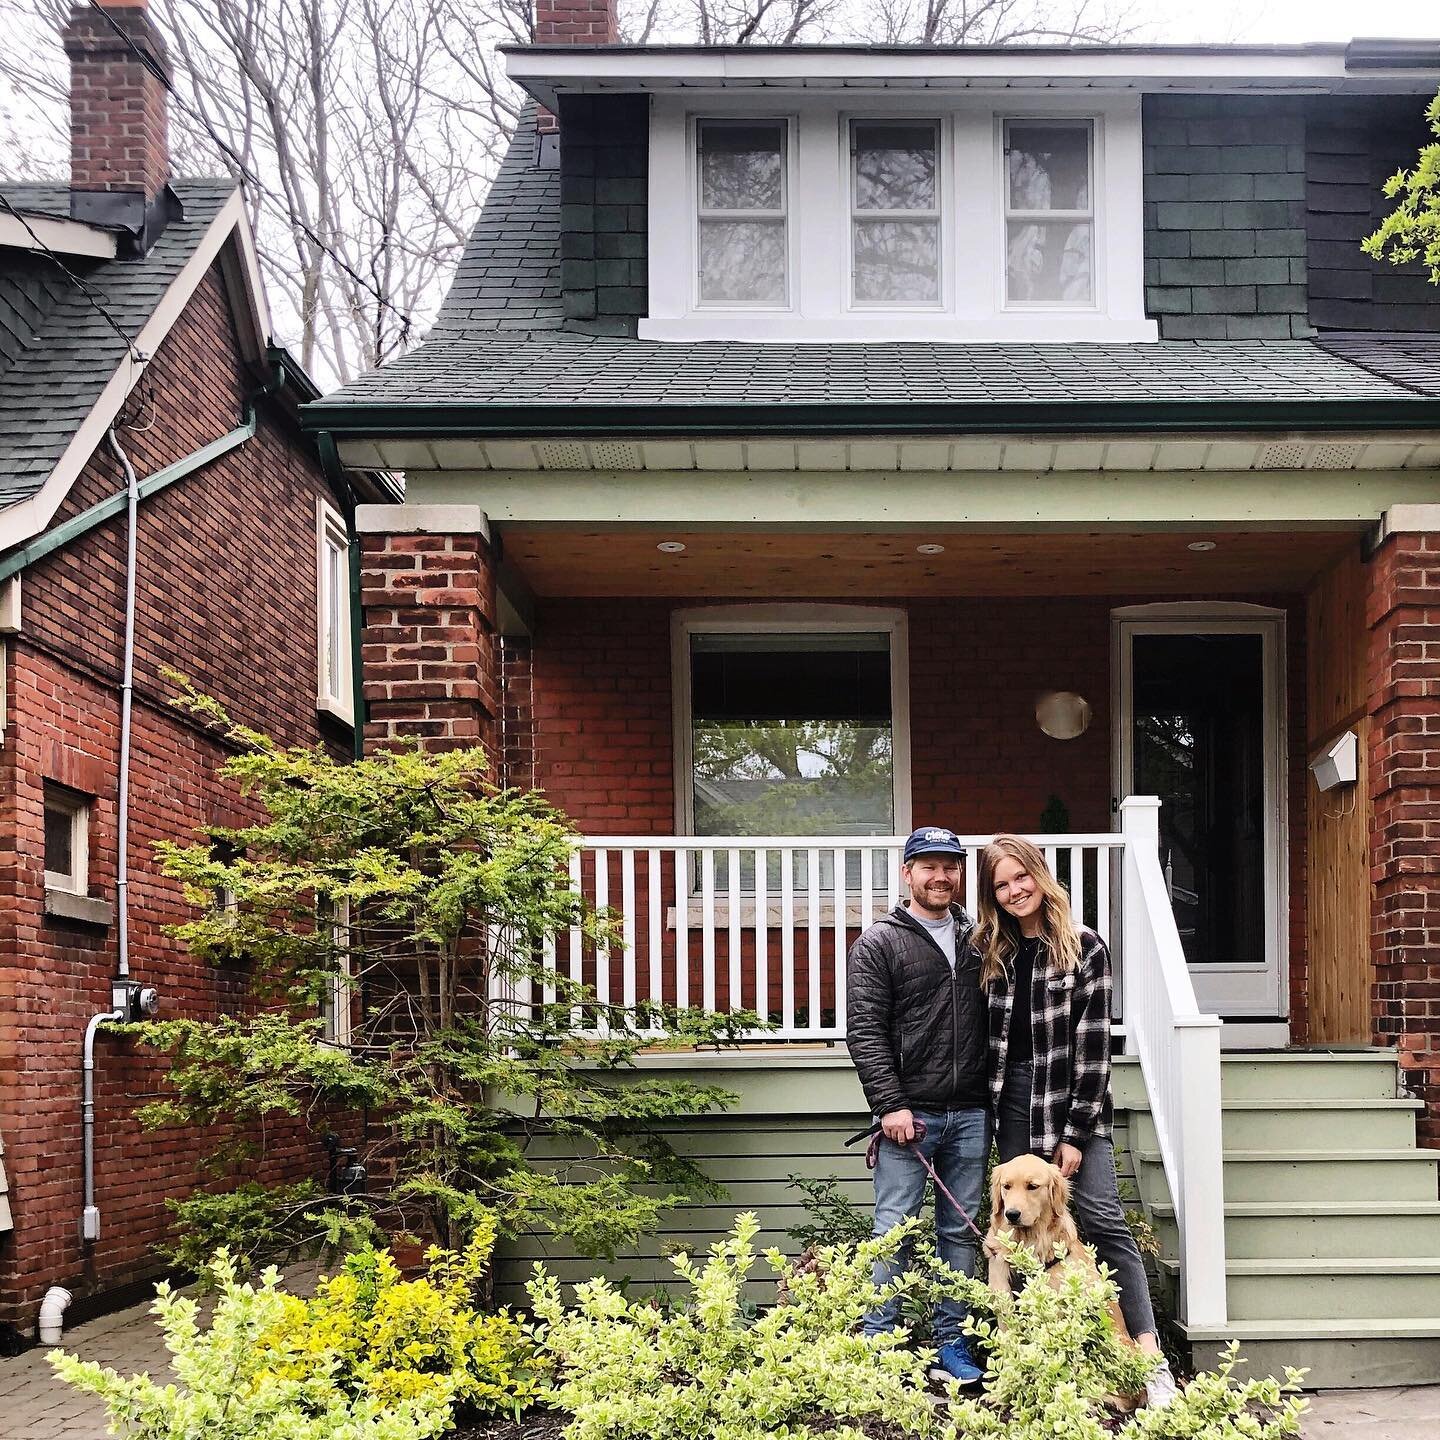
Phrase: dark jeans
[1093,1197]
[957,1144]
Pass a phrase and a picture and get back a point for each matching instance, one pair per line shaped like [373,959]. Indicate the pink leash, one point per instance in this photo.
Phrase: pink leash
[872,1153]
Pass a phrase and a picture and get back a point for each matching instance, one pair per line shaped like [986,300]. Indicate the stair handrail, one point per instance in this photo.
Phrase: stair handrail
[1179,1051]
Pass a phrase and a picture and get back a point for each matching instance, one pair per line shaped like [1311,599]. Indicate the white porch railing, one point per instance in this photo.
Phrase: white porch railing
[1179,1051]
[764,924]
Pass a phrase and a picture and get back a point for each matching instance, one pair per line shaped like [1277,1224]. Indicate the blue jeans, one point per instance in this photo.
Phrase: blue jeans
[957,1144]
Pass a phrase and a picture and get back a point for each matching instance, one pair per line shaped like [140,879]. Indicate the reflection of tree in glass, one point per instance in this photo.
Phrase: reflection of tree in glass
[897,261]
[894,169]
[1167,755]
[741,168]
[742,261]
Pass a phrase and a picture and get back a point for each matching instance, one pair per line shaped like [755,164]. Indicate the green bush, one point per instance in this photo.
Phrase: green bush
[628,1371]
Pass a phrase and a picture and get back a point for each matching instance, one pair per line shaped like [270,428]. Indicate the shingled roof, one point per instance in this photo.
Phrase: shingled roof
[57,350]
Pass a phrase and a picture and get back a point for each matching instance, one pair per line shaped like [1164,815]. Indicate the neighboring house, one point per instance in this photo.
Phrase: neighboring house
[853,396]
[131,315]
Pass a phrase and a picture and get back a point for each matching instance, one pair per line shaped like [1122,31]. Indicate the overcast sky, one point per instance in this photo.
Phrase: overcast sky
[1291,20]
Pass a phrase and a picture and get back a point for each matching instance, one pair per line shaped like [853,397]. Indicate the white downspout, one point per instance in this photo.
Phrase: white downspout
[52,1314]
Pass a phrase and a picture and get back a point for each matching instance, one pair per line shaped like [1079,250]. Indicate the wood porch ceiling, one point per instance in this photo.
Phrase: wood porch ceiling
[803,564]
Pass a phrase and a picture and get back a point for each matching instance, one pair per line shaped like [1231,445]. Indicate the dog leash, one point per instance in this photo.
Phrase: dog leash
[872,1153]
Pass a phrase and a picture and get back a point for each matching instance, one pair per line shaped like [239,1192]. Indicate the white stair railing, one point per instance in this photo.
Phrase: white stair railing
[1179,1052]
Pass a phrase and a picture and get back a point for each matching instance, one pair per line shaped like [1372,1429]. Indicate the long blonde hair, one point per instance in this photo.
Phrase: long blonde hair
[997,935]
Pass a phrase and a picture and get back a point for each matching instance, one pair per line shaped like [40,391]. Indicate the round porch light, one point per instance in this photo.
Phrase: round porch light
[670,547]
[930,548]
[1201,545]
[1062,714]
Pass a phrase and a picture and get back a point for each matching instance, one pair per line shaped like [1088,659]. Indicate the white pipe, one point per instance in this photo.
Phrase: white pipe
[90,1212]
[127,691]
[52,1314]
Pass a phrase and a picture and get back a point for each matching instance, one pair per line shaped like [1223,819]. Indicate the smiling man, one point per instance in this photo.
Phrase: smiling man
[917,1035]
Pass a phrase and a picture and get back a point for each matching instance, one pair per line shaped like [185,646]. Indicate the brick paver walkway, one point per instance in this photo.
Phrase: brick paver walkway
[36,1406]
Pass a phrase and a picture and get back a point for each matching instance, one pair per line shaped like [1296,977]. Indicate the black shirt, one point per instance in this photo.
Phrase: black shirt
[1021,1049]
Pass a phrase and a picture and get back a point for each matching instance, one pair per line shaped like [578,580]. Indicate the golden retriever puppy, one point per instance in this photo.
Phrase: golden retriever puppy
[1031,1199]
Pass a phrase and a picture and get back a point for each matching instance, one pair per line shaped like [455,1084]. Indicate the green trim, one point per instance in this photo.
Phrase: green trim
[918,418]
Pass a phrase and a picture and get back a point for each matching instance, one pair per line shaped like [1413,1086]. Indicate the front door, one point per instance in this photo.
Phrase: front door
[1200,724]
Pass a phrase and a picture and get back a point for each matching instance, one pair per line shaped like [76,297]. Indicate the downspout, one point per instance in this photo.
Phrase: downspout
[127,701]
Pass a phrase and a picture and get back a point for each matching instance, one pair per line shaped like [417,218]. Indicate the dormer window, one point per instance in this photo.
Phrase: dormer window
[743,195]
[1049,212]
[895,212]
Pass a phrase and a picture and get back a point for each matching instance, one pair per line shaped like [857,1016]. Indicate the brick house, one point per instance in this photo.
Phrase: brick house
[819,441]
[132,320]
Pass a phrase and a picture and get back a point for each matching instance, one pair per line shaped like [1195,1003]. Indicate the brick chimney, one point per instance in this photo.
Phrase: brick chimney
[119,147]
[576,22]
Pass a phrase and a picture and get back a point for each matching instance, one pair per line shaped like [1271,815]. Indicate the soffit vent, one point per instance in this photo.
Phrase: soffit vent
[1282,455]
[562,455]
[1333,457]
[615,455]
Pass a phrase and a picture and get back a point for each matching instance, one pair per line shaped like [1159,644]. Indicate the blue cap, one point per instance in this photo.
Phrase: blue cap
[932,841]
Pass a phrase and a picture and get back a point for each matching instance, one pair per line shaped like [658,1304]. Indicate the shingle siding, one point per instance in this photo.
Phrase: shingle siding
[1352,147]
[1225,217]
[604,180]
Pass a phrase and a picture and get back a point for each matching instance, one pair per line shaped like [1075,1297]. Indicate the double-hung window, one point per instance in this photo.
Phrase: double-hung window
[335,688]
[744,231]
[67,840]
[895,212]
[1049,213]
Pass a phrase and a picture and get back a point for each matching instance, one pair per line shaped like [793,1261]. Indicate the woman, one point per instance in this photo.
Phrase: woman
[1047,984]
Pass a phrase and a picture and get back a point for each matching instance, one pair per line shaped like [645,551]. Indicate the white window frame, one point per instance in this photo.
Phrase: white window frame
[336,1009]
[858,217]
[76,806]
[698,214]
[797,619]
[973,251]
[1048,217]
[332,613]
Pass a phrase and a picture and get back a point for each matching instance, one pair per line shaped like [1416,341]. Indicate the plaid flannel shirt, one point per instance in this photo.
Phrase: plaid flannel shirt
[1070,1025]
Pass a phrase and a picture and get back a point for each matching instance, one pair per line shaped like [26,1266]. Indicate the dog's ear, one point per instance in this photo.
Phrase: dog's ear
[1059,1191]
[997,1205]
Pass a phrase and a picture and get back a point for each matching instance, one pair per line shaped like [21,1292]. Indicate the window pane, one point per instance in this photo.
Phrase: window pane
[59,841]
[1049,167]
[792,741]
[742,167]
[335,620]
[897,261]
[742,261]
[894,167]
[1048,264]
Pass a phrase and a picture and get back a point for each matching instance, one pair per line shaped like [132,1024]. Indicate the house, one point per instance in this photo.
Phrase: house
[1005,438]
[134,337]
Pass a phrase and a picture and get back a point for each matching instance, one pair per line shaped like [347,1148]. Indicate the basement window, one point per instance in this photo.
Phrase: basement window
[335,693]
[67,840]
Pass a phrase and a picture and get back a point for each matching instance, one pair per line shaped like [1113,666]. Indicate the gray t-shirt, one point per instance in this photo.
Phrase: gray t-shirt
[942,932]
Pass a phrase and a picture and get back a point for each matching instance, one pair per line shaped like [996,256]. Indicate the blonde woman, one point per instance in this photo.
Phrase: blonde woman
[1047,986]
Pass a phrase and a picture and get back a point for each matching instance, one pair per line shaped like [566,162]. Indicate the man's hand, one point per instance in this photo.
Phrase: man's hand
[899,1126]
[1067,1159]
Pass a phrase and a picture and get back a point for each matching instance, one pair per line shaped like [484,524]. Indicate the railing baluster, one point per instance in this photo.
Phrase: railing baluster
[892,878]
[732,878]
[657,920]
[1102,894]
[867,885]
[812,1008]
[842,922]
[602,952]
[629,959]
[577,952]
[762,928]
[707,928]
[787,941]
[682,926]
[972,879]
[1077,886]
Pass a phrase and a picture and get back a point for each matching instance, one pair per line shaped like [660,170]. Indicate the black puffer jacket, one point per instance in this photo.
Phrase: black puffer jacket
[917,1032]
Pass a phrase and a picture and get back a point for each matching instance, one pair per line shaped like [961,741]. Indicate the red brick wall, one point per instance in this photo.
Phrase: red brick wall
[575,22]
[1404,617]
[227,595]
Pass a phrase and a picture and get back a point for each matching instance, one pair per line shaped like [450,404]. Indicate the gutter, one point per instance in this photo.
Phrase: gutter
[1190,417]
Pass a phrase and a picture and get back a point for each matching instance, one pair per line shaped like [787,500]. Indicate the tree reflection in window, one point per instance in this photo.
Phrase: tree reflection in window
[742,212]
[1049,215]
[895,215]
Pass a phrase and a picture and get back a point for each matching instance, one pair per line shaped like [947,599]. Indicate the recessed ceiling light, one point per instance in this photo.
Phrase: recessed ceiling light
[1201,545]
[930,549]
[670,547]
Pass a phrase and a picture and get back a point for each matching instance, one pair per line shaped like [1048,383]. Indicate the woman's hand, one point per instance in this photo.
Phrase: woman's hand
[1067,1159]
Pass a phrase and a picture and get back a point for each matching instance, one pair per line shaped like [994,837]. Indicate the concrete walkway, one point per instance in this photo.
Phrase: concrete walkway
[34,1405]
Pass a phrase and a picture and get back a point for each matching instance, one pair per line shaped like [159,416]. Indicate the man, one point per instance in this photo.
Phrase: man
[917,1035]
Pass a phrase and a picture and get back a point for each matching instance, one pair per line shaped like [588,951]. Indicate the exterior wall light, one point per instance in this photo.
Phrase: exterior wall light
[1062,714]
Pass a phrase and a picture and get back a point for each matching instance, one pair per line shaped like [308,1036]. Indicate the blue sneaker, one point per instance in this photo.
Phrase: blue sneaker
[955,1362]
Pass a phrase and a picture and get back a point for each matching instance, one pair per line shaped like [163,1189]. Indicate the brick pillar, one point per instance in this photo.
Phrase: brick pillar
[118,124]
[1403,613]
[429,651]
[573,22]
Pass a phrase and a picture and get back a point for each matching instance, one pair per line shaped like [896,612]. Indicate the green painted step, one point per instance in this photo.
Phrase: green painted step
[1338,1353]
[1399,1287]
[1334,1229]
[1284,1075]
[1395,1175]
[1303,1124]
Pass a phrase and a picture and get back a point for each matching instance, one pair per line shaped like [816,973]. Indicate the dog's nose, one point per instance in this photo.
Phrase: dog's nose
[1013,1216]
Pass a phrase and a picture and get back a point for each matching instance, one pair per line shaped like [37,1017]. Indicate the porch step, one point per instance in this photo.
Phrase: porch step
[1339,1354]
[1321,1229]
[1330,1124]
[1389,1287]
[1354,1074]
[1396,1175]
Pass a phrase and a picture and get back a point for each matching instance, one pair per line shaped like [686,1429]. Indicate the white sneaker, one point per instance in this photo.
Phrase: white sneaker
[1160,1388]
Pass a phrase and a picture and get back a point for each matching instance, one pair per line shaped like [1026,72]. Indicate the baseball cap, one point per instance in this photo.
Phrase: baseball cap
[931,840]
